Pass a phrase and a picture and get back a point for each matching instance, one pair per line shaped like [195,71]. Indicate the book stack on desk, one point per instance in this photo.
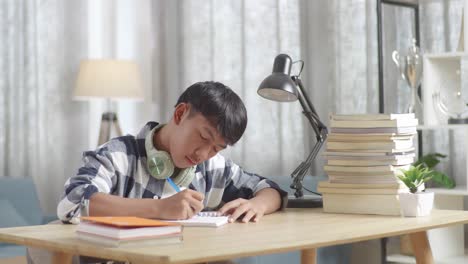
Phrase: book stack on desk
[365,153]
[128,231]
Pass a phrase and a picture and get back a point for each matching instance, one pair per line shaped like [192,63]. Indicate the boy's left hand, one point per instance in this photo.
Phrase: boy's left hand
[251,209]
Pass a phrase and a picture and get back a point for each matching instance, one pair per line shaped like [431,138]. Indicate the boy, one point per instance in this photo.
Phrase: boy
[129,175]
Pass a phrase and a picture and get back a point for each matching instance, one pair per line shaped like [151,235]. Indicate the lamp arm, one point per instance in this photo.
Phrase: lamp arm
[320,131]
[309,110]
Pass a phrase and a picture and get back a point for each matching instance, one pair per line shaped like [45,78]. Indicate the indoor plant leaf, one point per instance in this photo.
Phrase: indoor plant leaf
[430,161]
[415,176]
[442,179]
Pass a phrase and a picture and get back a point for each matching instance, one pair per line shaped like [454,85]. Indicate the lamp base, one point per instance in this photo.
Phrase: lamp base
[307,201]
[109,121]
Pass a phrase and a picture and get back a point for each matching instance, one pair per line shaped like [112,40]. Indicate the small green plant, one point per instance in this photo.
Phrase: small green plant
[430,161]
[415,176]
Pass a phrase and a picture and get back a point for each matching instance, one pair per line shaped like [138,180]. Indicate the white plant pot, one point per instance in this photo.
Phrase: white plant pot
[416,204]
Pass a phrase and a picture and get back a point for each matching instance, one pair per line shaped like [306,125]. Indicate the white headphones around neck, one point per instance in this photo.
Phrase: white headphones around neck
[160,165]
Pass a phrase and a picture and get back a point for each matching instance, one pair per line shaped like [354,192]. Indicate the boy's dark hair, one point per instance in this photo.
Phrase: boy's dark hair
[220,105]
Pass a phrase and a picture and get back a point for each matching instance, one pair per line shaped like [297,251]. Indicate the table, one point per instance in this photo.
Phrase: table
[289,230]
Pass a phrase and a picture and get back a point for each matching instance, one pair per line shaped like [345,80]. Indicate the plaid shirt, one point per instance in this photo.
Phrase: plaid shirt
[119,167]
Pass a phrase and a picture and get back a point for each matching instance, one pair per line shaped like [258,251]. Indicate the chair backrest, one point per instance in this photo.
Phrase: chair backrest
[22,194]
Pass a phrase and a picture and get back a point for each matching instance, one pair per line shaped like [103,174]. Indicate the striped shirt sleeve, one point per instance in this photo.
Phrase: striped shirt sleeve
[240,183]
[96,175]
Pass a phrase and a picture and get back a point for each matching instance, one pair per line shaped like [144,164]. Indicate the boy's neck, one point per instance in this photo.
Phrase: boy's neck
[161,139]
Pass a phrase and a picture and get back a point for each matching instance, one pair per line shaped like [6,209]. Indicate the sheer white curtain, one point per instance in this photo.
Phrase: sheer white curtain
[41,130]
[122,29]
[234,42]
[339,44]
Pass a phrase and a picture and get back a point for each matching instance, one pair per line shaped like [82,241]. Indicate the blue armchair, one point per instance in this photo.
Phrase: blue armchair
[327,255]
[19,206]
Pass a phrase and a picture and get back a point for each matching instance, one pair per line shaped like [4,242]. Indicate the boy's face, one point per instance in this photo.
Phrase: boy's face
[194,140]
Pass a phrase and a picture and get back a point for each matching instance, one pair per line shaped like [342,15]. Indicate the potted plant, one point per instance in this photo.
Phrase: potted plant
[439,179]
[416,202]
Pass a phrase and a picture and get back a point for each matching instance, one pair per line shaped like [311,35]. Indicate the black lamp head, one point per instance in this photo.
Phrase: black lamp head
[279,86]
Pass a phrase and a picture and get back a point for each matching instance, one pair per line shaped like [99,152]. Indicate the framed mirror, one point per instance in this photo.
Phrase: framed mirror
[397,26]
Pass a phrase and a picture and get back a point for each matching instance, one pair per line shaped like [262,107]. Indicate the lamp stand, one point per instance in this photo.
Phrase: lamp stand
[320,130]
[305,201]
[108,122]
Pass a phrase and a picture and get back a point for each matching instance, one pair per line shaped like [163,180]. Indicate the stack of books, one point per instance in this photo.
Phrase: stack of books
[365,153]
[128,231]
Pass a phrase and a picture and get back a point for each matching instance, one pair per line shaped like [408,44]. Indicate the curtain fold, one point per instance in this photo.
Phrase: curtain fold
[42,130]
[234,42]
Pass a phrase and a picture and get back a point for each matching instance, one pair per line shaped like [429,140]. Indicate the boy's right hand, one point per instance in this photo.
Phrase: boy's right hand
[182,205]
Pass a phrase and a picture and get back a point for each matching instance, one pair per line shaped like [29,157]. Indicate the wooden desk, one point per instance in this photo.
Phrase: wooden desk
[293,229]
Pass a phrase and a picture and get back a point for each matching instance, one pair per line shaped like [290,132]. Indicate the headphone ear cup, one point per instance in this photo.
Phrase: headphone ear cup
[160,165]
[185,177]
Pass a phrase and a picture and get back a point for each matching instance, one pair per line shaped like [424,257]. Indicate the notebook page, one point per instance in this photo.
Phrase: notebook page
[210,213]
[208,219]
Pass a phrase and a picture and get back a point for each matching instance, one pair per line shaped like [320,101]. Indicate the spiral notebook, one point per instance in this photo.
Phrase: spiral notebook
[205,219]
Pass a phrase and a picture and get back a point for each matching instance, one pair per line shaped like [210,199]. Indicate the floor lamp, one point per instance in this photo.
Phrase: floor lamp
[111,80]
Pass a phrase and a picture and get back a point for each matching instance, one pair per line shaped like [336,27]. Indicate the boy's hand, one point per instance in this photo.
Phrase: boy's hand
[182,205]
[252,210]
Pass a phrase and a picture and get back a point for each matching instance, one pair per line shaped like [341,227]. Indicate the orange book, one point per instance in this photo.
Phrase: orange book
[125,221]
[115,231]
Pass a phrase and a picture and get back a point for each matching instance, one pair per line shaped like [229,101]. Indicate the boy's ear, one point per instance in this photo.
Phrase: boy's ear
[180,112]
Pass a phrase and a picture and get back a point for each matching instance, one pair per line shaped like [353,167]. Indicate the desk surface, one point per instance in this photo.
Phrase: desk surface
[293,229]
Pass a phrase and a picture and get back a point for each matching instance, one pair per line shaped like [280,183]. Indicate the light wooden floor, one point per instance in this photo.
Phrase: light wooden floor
[15,260]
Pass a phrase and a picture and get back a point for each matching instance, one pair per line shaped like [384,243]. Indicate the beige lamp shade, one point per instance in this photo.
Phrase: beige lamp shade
[115,79]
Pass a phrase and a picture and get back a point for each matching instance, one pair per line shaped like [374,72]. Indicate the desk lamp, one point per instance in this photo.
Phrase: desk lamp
[282,87]
[112,80]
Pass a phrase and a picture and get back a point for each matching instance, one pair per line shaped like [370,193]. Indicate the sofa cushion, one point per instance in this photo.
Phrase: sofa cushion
[9,218]
[21,192]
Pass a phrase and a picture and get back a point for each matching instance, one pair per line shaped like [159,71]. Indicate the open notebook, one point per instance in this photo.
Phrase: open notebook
[205,219]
